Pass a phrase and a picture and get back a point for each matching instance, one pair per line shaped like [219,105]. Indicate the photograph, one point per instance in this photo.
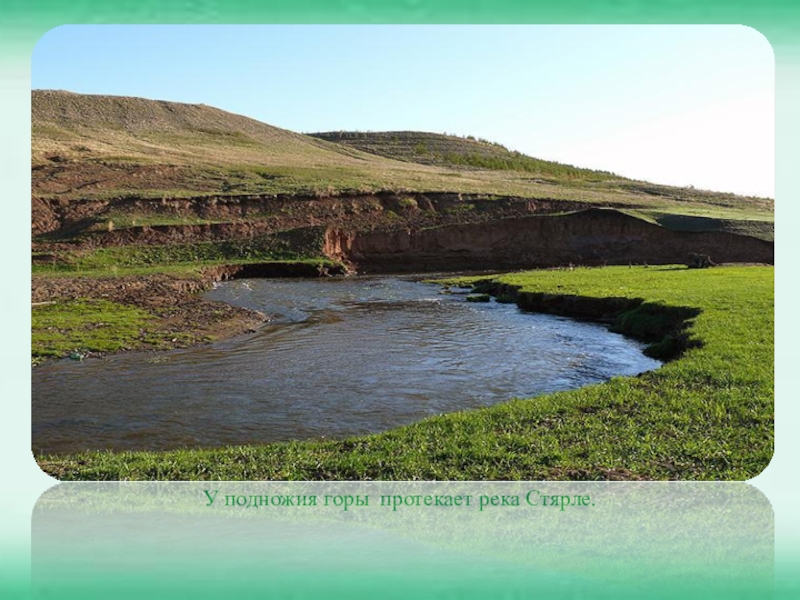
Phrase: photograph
[402,252]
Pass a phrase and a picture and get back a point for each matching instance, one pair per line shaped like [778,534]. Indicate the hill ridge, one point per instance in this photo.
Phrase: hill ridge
[108,146]
[454,151]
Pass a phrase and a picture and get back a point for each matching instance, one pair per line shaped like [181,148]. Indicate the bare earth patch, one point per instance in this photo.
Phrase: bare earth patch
[181,318]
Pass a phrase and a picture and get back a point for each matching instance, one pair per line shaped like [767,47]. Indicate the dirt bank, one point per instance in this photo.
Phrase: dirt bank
[664,328]
[182,318]
[589,237]
[242,216]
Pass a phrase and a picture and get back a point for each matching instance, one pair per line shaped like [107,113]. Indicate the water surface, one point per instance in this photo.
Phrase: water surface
[339,357]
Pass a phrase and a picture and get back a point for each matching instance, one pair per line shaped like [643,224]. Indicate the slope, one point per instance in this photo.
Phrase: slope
[457,152]
[103,161]
[87,146]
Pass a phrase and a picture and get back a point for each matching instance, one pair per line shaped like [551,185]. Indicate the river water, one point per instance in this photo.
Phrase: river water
[339,357]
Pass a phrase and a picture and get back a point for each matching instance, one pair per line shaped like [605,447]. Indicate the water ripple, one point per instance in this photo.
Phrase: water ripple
[341,357]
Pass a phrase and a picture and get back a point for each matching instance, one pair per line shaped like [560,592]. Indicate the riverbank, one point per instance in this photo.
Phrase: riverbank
[707,414]
[96,314]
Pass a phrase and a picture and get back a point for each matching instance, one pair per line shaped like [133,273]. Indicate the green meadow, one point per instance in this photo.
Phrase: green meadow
[706,414]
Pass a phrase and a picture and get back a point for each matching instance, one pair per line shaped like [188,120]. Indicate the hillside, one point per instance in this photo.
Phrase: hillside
[106,145]
[81,124]
[102,146]
[106,170]
[471,154]
[457,152]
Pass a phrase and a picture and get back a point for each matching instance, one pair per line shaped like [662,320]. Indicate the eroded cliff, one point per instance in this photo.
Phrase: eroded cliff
[589,237]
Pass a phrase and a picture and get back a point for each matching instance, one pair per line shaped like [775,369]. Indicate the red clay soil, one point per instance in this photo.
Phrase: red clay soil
[590,237]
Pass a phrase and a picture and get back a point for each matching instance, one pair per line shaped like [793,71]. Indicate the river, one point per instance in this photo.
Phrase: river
[339,357]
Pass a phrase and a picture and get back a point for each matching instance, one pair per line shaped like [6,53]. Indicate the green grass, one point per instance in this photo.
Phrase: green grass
[707,414]
[193,269]
[299,245]
[61,328]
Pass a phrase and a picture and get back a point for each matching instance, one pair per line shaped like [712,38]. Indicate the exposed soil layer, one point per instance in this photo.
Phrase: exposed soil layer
[590,237]
[245,216]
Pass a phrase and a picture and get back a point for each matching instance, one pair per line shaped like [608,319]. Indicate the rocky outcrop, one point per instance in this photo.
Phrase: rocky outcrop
[589,237]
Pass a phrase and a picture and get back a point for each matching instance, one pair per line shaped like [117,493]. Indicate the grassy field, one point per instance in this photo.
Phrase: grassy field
[707,414]
[85,326]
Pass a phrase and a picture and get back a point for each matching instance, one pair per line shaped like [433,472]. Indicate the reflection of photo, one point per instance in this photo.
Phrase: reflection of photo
[402,253]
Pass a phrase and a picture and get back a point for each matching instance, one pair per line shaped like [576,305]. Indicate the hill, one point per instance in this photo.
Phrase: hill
[106,146]
[103,162]
[457,152]
[471,154]
[79,124]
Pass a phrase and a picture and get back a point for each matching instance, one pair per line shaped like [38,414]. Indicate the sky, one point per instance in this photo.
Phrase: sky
[679,105]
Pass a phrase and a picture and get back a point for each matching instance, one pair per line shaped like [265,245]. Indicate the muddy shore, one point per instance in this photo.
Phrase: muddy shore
[181,317]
